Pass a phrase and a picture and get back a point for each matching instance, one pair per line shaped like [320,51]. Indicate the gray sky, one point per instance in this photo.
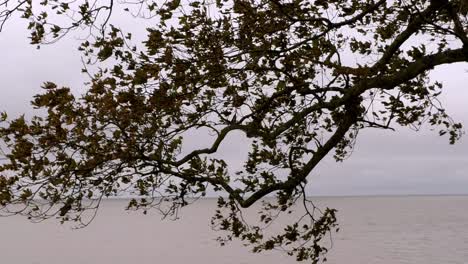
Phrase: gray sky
[383,162]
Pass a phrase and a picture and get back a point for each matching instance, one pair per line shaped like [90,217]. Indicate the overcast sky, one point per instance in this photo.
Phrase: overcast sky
[401,162]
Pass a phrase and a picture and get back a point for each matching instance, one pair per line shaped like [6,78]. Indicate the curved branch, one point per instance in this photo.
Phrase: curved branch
[214,147]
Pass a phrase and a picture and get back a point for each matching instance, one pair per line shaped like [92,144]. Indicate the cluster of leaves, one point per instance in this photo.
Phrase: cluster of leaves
[299,78]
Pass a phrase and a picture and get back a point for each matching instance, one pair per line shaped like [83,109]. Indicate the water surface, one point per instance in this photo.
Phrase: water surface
[377,230]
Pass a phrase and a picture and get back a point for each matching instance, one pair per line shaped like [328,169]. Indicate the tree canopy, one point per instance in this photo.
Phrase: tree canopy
[299,78]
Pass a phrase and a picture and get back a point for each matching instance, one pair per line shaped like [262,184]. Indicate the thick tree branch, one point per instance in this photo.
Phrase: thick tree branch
[349,118]
[415,68]
[414,25]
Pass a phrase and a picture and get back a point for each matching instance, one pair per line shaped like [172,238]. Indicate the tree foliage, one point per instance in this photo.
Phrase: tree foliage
[300,78]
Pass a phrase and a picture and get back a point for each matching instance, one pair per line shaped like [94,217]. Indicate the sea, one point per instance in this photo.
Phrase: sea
[373,230]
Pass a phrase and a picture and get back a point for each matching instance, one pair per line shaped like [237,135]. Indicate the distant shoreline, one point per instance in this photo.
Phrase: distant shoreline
[326,196]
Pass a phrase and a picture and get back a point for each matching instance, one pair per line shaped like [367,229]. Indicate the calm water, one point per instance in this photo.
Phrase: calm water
[374,230]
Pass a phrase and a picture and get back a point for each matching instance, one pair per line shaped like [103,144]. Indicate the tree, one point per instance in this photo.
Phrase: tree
[299,78]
